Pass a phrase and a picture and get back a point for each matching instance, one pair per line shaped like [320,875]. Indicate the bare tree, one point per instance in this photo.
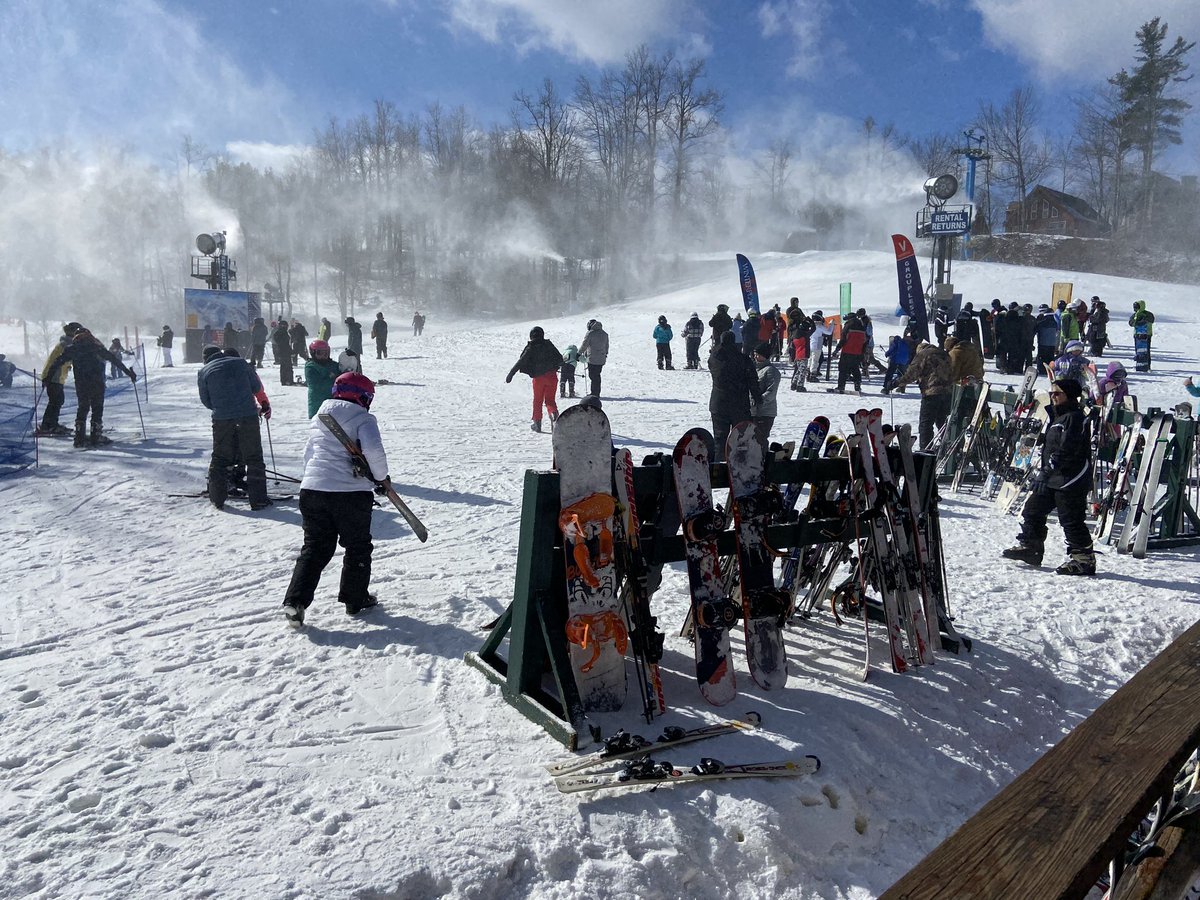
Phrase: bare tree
[691,115]
[546,133]
[1016,146]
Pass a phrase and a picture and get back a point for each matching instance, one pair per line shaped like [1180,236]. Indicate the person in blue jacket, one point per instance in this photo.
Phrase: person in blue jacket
[662,342]
[231,388]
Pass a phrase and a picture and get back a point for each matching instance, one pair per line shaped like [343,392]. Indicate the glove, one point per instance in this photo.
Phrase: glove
[265,411]
[508,378]
[133,376]
[381,488]
[45,382]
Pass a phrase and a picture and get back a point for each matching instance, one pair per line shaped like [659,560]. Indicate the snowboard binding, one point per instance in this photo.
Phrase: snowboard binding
[707,525]
[769,603]
[721,613]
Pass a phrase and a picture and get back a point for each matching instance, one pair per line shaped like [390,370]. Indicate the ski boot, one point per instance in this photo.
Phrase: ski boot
[371,601]
[1024,553]
[294,614]
[536,425]
[99,439]
[1080,562]
[80,438]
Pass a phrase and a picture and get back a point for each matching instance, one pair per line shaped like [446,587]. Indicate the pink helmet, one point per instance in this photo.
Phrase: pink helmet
[354,387]
[318,345]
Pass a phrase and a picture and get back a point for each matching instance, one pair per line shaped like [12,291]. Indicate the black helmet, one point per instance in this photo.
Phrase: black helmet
[662,320]
[722,307]
[72,328]
[536,333]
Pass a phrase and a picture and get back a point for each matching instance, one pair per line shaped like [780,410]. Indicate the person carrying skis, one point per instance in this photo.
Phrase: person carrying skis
[720,323]
[1061,483]
[851,348]
[320,372]
[930,369]
[766,409]
[379,330]
[693,333]
[540,361]
[88,356]
[231,389]
[662,343]
[336,501]
[734,385]
[595,348]
[353,335]
[566,371]
[259,332]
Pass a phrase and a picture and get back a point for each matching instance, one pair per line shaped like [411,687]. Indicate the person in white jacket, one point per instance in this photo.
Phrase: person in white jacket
[336,501]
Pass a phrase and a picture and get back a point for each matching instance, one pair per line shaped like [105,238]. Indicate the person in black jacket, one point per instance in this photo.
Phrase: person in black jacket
[165,341]
[87,355]
[379,332]
[259,332]
[540,361]
[734,384]
[353,335]
[1061,483]
[720,323]
[281,347]
[693,332]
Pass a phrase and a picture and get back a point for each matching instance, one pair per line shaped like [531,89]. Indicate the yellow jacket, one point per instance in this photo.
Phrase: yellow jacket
[61,375]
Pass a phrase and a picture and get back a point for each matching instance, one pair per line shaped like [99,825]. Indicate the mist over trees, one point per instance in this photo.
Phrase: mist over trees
[581,194]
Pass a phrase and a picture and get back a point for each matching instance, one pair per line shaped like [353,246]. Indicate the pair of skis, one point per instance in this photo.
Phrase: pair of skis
[1135,533]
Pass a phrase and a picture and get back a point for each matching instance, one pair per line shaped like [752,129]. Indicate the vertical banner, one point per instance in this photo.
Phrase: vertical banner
[844,298]
[1061,290]
[912,298]
[749,284]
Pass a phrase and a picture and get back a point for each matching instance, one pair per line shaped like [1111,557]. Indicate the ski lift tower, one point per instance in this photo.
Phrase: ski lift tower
[975,151]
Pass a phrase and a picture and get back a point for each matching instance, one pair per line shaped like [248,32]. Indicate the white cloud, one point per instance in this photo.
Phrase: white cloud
[598,32]
[1080,40]
[803,23]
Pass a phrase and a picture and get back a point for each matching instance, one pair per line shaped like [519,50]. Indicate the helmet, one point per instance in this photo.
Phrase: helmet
[318,345]
[595,326]
[1072,346]
[662,320]
[536,333]
[354,387]
[591,324]
[166,328]
[71,328]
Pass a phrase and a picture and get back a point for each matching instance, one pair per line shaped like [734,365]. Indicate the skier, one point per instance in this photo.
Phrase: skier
[779,335]
[766,409]
[1061,483]
[259,332]
[336,502]
[115,348]
[941,323]
[930,368]
[662,343]
[595,348]
[349,361]
[379,332]
[231,388]
[55,392]
[693,333]
[1073,365]
[165,340]
[324,330]
[799,329]
[734,384]
[353,335]
[816,344]
[1142,323]
[320,372]
[720,323]
[869,353]
[299,336]
[793,310]
[540,361]
[88,356]
[851,347]
[566,372]
[899,352]
[281,348]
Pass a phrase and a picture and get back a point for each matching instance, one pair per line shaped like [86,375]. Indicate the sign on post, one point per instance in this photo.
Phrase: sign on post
[950,221]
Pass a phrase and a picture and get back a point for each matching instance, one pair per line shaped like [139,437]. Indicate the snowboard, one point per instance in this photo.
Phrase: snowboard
[764,606]
[596,632]
[811,443]
[1141,352]
[712,611]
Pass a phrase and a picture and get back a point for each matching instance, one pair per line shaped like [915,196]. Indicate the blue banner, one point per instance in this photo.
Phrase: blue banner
[912,297]
[749,284]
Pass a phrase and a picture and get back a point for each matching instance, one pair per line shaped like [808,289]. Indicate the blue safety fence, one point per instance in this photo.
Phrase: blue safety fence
[17,447]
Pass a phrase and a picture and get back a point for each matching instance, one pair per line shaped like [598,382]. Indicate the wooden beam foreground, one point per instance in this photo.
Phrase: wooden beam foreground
[1051,833]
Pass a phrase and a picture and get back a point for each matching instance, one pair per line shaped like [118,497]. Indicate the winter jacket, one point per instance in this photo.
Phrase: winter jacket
[354,336]
[379,330]
[719,323]
[281,341]
[1068,328]
[166,339]
[595,347]
[328,464]
[1118,387]
[853,342]
[539,357]
[319,375]
[88,356]
[768,383]
[230,336]
[299,335]
[799,326]
[736,330]
[663,334]
[694,328]
[1067,451]
[899,351]
[259,331]
[1047,329]
[766,326]
[1098,322]
[734,381]
[930,368]
[965,362]
[570,360]
[55,353]
[227,387]
[966,328]
[324,330]
[1142,319]
[1073,366]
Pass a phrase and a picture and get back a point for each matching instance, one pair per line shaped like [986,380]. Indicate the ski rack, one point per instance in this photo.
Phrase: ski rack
[963,400]
[536,676]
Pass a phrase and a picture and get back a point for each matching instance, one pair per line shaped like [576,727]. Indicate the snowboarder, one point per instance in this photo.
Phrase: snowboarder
[566,372]
[281,348]
[55,392]
[231,389]
[766,409]
[1142,323]
[353,335]
[336,501]
[799,329]
[693,334]
[734,384]
[595,348]
[540,360]
[379,332]
[662,343]
[259,332]
[165,341]
[88,356]
[930,369]
[1061,483]
[320,372]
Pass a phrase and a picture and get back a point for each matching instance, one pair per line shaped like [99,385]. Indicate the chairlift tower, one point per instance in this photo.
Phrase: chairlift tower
[975,151]
[213,267]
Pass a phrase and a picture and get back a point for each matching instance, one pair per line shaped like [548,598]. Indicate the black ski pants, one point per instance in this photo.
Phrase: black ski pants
[89,393]
[256,354]
[935,410]
[850,369]
[1072,511]
[693,351]
[594,379]
[330,518]
[56,395]
[664,355]
[237,441]
[380,349]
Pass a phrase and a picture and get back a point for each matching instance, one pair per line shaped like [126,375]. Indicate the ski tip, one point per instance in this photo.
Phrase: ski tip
[754,719]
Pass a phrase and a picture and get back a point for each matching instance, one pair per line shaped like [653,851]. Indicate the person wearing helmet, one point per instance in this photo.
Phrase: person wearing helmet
[319,374]
[693,333]
[662,342]
[231,389]
[379,330]
[165,340]
[539,360]
[719,323]
[336,501]
[259,332]
[1072,365]
[595,348]
[88,357]
[1070,324]
[55,387]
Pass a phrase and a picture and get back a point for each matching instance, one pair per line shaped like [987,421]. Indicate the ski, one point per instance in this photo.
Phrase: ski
[418,528]
[650,773]
[623,745]
[199,495]
[1137,504]
[1161,448]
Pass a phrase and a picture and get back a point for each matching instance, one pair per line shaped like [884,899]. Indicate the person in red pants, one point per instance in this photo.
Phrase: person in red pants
[540,361]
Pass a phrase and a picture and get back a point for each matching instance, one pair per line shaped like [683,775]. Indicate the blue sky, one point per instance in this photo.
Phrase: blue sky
[247,76]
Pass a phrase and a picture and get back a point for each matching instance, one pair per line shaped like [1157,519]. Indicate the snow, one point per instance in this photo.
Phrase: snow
[165,734]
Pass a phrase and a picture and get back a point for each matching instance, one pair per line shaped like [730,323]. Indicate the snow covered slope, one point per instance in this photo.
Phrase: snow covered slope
[164,734]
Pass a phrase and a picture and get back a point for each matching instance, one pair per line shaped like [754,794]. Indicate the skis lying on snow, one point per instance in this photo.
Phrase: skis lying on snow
[623,745]
[650,772]
[274,498]
[410,517]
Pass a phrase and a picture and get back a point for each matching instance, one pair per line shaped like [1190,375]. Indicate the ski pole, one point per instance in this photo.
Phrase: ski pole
[271,445]
[138,398]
